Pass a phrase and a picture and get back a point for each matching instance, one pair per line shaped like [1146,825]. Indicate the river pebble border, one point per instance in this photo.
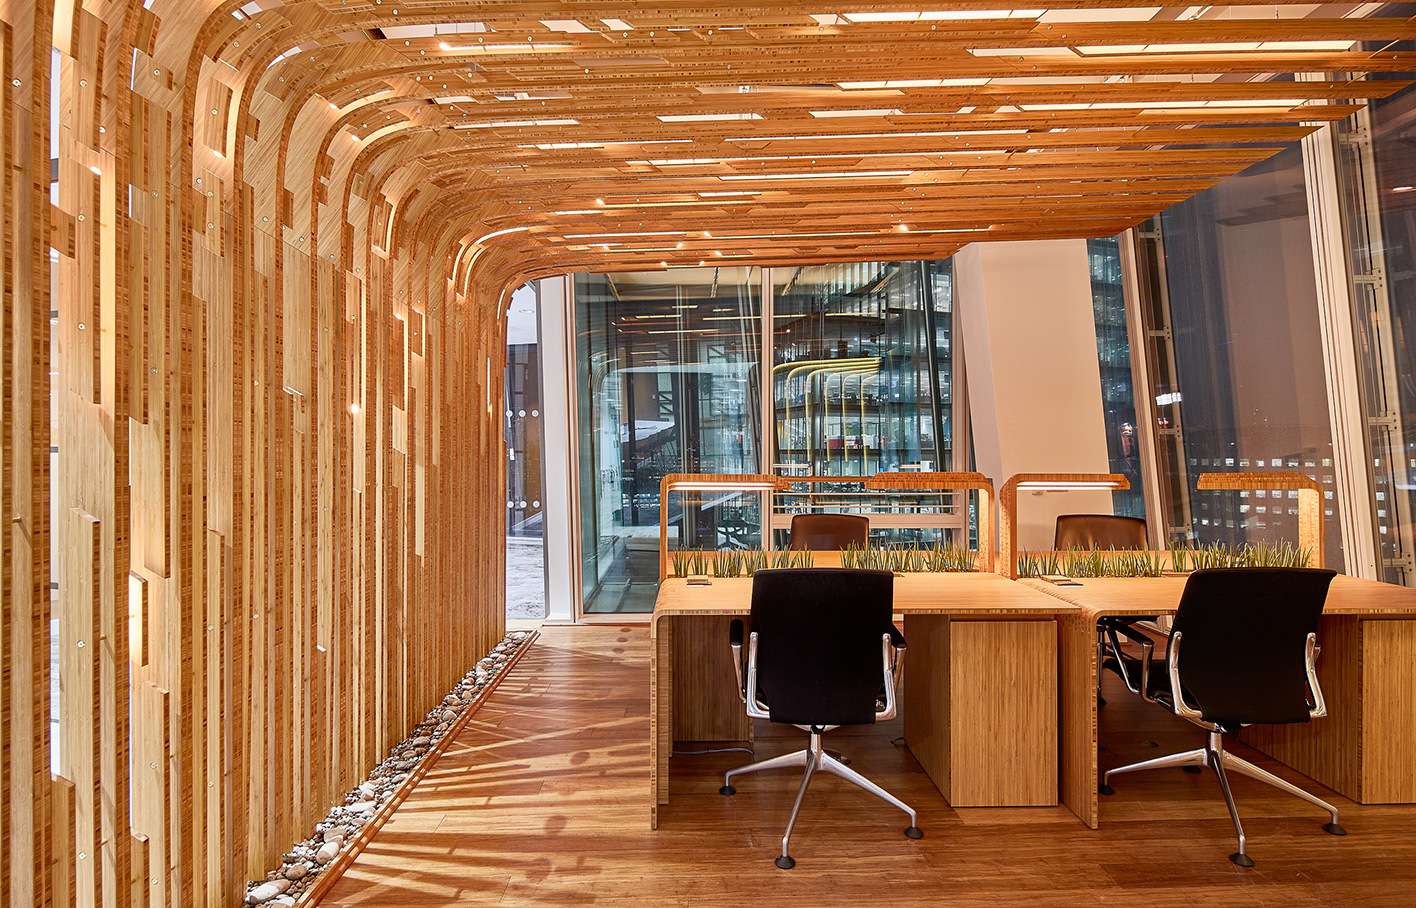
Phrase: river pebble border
[302,865]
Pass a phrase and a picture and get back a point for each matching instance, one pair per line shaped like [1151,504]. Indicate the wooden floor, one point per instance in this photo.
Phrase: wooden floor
[542,800]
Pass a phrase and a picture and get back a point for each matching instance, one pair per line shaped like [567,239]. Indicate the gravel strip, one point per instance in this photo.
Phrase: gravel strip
[303,863]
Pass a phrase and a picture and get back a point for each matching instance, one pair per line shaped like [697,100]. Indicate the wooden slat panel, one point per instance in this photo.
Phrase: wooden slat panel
[313,578]
[1388,712]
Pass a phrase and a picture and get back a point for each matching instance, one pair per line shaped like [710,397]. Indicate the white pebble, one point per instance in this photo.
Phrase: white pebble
[267,891]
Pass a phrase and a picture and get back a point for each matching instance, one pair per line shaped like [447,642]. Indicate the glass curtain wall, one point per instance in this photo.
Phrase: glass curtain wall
[860,368]
[861,378]
[1241,383]
[1377,174]
[667,367]
[1113,351]
[669,371]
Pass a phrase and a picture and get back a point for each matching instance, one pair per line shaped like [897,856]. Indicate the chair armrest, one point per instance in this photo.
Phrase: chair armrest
[1141,688]
[735,641]
[1177,693]
[1317,706]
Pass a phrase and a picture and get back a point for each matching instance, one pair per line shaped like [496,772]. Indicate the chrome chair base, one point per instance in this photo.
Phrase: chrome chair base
[814,758]
[1217,758]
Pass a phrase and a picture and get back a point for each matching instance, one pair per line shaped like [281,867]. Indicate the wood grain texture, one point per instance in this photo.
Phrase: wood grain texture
[929,733]
[1335,750]
[1003,713]
[540,801]
[980,709]
[984,598]
[278,323]
[1388,712]
[703,670]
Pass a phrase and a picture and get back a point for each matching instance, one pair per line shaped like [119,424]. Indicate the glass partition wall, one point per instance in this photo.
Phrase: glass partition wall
[669,380]
[667,370]
[862,356]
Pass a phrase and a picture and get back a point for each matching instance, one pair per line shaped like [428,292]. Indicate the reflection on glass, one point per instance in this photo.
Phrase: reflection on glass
[666,365]
[1247,352]
[1113,350]
[861,376]
[1378,181]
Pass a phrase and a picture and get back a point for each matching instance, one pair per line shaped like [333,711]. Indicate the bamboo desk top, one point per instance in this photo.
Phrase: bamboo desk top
[976,594]
[1100,596]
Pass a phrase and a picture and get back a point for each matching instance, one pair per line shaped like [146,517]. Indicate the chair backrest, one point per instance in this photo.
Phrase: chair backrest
[1099,531]
[1244,634]
[829,532]
[818,642]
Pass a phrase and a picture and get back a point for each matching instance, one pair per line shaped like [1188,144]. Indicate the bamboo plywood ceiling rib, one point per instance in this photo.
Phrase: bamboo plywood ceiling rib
[596,135]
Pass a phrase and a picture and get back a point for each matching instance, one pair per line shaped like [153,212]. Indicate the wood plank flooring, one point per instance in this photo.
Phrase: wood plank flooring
[543,800]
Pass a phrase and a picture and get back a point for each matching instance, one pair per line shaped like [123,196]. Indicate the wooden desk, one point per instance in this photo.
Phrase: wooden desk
[980,682]
[1363,749]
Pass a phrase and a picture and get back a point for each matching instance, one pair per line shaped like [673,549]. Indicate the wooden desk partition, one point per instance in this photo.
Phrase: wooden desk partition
[1310,501]
[980,682]
[713,482]
[1362,749]
[1008,506]
[957,482]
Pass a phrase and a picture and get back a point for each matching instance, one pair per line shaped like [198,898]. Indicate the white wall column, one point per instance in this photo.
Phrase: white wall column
[558,519]
[1034,385]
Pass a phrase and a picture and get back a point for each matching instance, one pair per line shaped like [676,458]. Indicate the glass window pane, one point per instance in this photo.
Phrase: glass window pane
[1251,387]
[1113,350]
[667,369]
[861,371]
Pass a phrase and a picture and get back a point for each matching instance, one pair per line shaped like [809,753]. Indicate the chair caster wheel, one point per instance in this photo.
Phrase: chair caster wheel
[1105,789]
[914,832]
[1193,770]
[785,862]
[1334,829]
[727,791]
[844,760]
[1242,859]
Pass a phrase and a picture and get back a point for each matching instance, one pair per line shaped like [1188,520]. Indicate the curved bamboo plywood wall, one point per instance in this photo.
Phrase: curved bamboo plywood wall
[282,237]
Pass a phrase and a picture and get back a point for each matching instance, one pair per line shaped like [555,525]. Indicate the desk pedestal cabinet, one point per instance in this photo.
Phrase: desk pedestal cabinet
[981,708]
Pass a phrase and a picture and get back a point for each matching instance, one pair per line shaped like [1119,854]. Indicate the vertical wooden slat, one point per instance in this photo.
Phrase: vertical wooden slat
[281,583]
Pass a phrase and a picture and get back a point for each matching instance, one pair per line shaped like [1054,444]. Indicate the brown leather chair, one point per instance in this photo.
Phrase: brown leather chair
[1099,531]
[829,532]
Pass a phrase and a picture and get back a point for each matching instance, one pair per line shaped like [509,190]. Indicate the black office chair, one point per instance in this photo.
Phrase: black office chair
[1249,642]
[829,532]
[822,643]
[1101,531]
